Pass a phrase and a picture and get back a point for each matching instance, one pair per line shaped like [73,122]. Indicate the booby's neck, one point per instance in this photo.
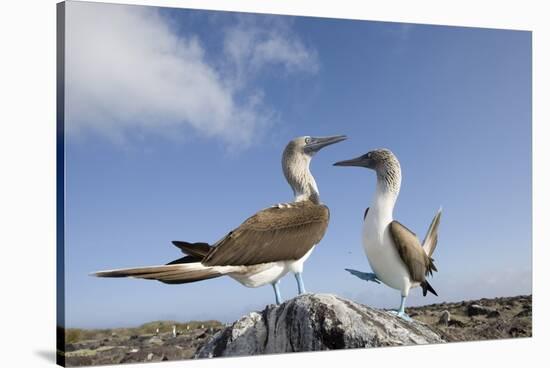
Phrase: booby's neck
[300,179]
[388,185]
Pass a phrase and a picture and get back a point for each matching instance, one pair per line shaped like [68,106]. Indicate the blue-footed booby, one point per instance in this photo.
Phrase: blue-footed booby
[394,253]
[266,246]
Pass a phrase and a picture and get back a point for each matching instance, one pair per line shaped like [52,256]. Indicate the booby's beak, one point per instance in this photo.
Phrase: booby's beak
[316,143]
[361,161]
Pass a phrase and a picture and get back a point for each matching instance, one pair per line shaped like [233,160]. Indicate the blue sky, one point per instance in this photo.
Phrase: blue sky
[176,121]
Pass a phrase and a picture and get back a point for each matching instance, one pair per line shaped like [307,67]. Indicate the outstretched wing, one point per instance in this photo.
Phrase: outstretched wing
[411,252]
[283,232]
[430,241]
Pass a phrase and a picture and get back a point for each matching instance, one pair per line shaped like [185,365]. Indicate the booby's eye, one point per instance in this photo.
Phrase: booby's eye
[307,140]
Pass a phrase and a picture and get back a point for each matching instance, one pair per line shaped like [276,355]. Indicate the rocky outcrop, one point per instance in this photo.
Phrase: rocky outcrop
[315,322]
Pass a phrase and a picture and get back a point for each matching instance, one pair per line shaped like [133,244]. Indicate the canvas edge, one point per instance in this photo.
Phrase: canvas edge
[60,183]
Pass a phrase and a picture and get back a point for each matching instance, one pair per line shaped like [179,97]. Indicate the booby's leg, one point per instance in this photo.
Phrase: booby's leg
[277,292]
[301,288]
[367,276]
[401,311]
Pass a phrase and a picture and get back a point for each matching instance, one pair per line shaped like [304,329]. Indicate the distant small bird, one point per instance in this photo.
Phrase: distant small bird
[265,247]
[395,254]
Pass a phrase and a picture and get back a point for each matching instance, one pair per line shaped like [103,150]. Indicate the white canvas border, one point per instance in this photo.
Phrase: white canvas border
[27,200]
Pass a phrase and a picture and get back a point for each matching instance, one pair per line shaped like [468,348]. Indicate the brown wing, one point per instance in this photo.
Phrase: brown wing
[284,232]
[411,252]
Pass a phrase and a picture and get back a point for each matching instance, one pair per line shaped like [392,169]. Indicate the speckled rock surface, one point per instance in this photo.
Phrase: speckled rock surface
[315,322]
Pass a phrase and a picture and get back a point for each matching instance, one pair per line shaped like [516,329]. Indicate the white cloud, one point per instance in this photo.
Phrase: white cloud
[251,46]
[128,72]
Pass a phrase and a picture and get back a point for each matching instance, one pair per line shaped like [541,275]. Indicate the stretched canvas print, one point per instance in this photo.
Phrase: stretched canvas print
[235,184]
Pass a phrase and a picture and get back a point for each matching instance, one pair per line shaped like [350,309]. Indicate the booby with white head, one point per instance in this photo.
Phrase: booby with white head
[394,253]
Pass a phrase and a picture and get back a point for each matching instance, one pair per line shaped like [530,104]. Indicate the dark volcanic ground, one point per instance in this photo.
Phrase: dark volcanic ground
[482,319]
[140,344]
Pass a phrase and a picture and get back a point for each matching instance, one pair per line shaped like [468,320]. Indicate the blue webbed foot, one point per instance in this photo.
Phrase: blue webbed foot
[367,276]
[401,311]
[401,315]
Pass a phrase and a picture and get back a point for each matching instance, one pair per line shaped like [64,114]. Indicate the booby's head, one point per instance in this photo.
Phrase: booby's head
[309,146]
[296,159]
[384,162]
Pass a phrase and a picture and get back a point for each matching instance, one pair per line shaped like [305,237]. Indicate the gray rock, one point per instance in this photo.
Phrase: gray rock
[155,340]
[314,322]
[477,310]
[445,318]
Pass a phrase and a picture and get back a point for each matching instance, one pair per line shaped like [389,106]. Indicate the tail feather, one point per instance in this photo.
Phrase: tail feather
[431,267]
[427,287]
[174,273]
[430,241]
[199,250]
